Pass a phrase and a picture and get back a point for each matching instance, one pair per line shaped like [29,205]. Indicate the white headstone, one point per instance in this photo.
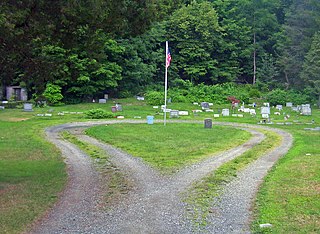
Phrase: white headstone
[102,100]
[289,104]
[265,110]
[279,107]
[225,112]
[183,113]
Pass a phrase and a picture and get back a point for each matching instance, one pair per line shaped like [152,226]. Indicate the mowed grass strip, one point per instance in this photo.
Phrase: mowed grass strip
[31,174]
[290,197]
[203,193]
[170,147]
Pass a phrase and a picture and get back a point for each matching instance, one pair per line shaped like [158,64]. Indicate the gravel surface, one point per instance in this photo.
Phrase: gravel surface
[154,205]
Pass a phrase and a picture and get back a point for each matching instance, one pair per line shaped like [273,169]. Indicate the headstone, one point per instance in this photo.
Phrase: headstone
[167,110]
[140,98]
[5,102]
[102,100]
[234,115]
[253,112]
[106,96]
[1,107]
[119,107]
[208,123]
[155,107]
[209,110]
[205,105]
[289,104]
[210,104]
[184,113]
[305,109]
[114,109]
[294,108]
[225,112]
[279,107]
[174,114]
[195,103]
[27,107]
[240,115]
[149,119]
[216,115]
[265,110]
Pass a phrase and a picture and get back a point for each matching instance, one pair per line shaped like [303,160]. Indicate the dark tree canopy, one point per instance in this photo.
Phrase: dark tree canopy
[87,48]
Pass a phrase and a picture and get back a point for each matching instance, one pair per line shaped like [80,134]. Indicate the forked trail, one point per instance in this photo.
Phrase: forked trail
[154,205]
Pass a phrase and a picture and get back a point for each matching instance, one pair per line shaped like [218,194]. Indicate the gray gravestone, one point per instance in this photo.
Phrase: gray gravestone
[205,105]
[27,107]
[119,107]
[279,107]
[174,114]
[305,109]
[102,100]
[289,104]
[208,123]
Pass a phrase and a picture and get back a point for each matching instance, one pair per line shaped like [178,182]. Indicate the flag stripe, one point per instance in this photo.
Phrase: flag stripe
[168,58]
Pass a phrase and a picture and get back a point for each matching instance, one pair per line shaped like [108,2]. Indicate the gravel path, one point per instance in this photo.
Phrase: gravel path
[154,206]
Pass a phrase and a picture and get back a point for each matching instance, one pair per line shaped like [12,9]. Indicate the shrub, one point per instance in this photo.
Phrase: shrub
[154,98]
[277,96]
[98,114]
[53,94]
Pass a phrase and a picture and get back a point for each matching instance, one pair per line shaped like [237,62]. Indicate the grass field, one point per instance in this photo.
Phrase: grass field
[32,172]
[173,146]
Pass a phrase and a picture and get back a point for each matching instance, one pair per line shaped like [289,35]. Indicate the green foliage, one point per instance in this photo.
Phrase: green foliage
[53,94]
[277,96]
[154,98]
[98,114]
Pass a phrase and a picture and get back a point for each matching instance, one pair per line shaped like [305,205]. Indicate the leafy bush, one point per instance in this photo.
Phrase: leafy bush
[98,114]
[53,94]
[154,98]
[277,96]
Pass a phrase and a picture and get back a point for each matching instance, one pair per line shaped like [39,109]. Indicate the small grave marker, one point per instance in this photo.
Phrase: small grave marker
[183,113]
[208,123]
[289,104]
[102,100]
[279,107]
[305,109]
[174,114]
[150,119]
[225,112]
[119,107]
[27,107]
[1,107]
[216,115]
[205,105]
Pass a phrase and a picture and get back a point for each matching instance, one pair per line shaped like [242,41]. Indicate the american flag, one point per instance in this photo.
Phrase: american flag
[168,58]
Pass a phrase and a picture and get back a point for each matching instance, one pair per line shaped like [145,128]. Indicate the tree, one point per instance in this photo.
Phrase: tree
[311,67]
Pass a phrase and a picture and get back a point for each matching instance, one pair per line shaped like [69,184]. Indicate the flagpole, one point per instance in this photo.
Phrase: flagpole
[165,86]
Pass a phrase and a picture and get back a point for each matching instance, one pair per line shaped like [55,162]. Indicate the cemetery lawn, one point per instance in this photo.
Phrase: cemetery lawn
[32,172]
[290,197]
[173,146]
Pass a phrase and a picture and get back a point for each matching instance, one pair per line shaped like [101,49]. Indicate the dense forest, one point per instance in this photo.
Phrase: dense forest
[82,49]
